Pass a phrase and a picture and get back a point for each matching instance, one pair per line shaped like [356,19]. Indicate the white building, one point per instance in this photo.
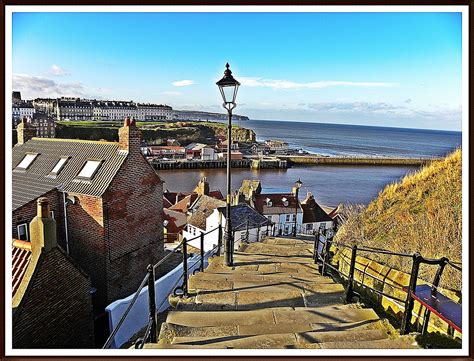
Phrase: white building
[198,213]
[314,216]
[281,210]
[21,110]
[153,112]
[247,224]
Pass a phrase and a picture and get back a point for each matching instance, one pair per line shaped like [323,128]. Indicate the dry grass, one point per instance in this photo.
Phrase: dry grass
[421,213]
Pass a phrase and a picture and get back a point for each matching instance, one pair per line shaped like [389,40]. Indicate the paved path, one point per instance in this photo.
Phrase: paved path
[273,297]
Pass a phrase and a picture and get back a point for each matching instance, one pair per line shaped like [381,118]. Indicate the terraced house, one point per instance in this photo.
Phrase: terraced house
[106,199]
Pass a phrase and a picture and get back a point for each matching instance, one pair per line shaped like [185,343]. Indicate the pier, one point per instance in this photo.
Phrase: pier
[198,164]
[317,160]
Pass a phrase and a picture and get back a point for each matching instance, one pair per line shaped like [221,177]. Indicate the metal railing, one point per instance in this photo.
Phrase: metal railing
[150,334]
[322,258]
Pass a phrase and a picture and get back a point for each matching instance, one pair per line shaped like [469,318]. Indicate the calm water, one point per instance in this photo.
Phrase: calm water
[338,139]
[331,185]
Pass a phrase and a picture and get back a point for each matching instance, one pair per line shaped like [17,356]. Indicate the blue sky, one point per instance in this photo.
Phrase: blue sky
[388,69]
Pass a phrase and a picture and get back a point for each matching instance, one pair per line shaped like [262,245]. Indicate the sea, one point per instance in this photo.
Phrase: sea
[331,185]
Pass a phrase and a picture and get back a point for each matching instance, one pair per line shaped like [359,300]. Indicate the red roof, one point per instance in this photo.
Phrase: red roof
[216,194]
[21,256]
[184,204]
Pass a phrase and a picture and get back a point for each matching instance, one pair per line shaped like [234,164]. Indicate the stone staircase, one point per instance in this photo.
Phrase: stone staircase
[273,297]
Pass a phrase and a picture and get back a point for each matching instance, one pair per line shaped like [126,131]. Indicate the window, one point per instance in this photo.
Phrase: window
[59,166]
[23,232]
[26,161]
[309,227]
[89,169]
[288,217]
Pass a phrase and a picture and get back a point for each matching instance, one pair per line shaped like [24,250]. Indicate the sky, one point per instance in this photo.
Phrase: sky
[385,69]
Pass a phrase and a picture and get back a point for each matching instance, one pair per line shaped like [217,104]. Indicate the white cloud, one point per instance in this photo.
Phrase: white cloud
[37,86]
[57,70]
[288,84]
[183,82]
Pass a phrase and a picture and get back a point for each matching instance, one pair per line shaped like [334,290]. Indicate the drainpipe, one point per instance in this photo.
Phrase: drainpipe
[65,222]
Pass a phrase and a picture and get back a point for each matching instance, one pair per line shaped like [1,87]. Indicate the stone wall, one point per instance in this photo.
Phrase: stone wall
[388,280]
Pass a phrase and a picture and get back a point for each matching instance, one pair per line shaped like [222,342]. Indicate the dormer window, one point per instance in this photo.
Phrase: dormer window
[89,169]
[59,166]
[269,202]
[285,201]
[26,161]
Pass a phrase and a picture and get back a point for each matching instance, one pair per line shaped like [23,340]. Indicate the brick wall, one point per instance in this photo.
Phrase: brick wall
[87,242]
[133,207]
[56,310]
[26,213]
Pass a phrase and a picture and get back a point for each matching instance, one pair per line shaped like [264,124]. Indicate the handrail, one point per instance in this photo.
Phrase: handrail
[125,314]
[417,258]
[146,279]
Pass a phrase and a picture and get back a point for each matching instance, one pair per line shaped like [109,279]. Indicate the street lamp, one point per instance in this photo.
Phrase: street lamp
[298,185]
[228,87]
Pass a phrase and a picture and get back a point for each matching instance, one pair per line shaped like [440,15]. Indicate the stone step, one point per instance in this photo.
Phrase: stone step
[280,340]
[263,286]
[281,315]
[397,343]
[262,277]
[170,330]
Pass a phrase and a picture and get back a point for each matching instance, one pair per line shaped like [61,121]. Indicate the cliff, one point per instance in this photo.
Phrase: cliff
[184,132]
[422,212]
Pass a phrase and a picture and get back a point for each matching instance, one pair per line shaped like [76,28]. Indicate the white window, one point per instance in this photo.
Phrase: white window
[59,165]
[89,169]
[309,227]
[288,217]
[26,161]
[23,232]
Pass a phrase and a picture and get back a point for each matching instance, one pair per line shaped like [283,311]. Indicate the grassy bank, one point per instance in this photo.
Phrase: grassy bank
[423,213]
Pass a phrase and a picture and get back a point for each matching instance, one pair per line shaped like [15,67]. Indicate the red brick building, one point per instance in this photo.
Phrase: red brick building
[107,201]
[51,300]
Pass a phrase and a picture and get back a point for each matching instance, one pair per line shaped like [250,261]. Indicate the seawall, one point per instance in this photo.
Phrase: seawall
[315,160]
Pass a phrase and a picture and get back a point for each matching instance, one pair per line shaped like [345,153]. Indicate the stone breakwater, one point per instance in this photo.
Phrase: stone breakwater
[318,160]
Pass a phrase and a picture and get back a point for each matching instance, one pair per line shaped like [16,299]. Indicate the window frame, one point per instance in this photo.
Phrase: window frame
[35,155]
[27,231]
[52,173]
[100,161]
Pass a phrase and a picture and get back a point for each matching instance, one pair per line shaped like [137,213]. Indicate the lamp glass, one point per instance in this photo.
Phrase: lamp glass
[229,93]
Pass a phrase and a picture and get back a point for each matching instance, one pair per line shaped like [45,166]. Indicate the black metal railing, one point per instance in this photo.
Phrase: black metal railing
[322,258]
[150,334]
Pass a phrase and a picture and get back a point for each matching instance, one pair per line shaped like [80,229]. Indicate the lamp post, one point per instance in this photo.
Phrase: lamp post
[228,87]
[298,185]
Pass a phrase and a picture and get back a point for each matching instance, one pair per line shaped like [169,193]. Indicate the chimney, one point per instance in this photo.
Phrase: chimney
[202,187]
[43,228]
[129,136]
[25,131]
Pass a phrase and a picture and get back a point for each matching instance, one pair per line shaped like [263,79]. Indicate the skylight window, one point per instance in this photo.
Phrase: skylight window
[26,161]
[59,165]
[89,169]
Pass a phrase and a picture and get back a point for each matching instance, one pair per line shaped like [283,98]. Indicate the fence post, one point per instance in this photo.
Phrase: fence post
[258,233]
[437,278]
[316,248]
[350,284]
[152,303]
[219,240]
[202,252]
[409,302]
[185,267]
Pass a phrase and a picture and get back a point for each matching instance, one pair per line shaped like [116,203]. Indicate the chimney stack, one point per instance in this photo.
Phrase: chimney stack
[202,187]
[25,131]
[43,228]
[129,136]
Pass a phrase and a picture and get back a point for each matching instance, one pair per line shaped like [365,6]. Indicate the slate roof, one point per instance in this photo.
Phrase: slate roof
[277,206]
[312,213]
[242,213]
[36,180]
[202,208]
[21,257]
